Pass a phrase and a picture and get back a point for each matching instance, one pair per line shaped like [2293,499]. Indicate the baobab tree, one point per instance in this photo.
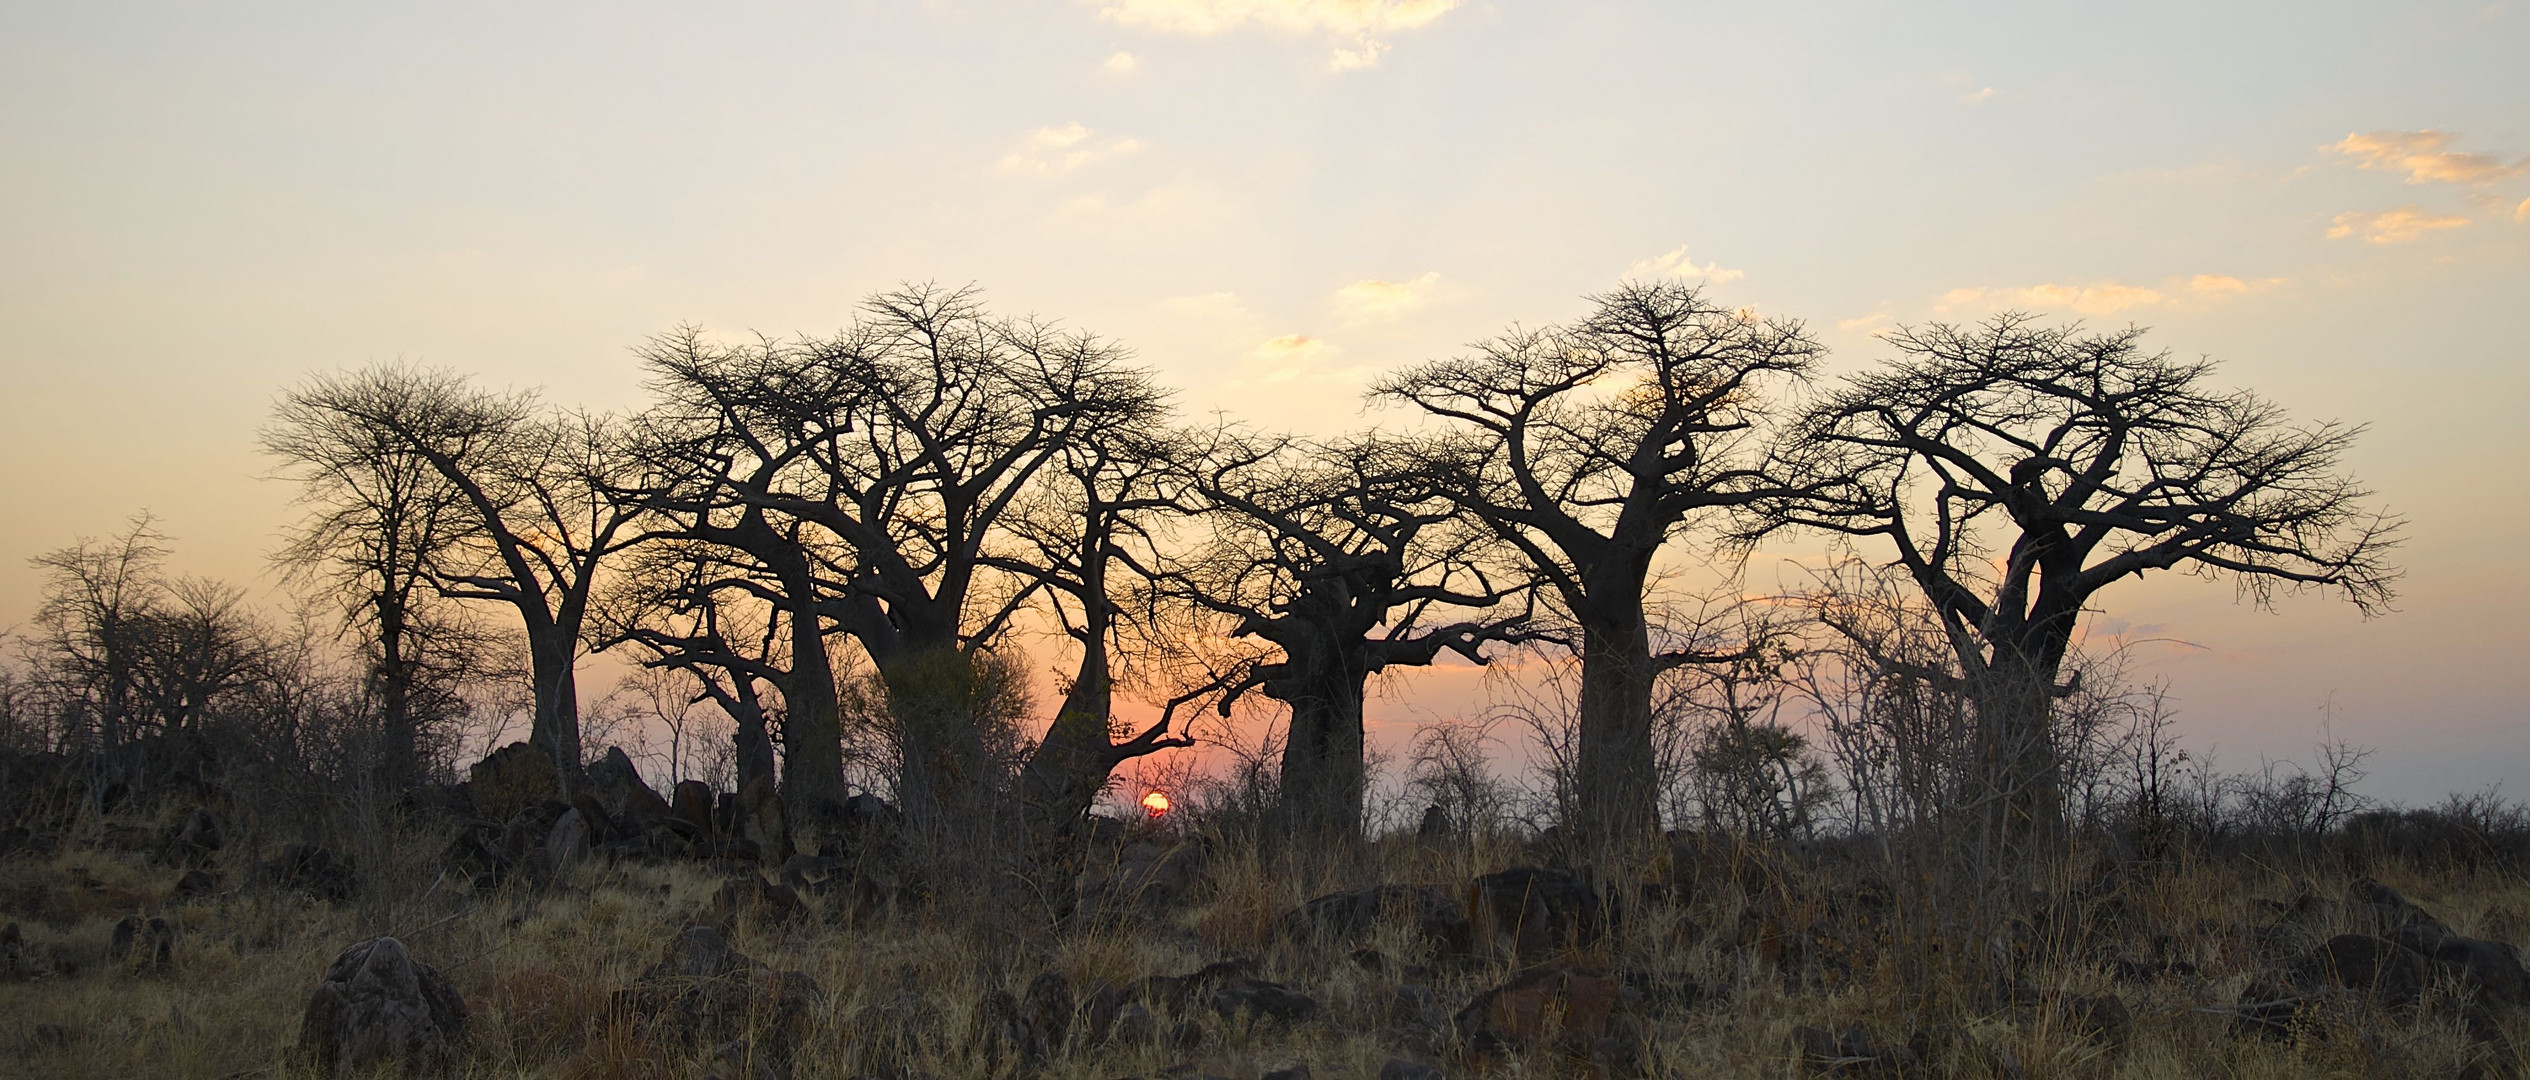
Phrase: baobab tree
[924,423]
[2013,471]
[1586,449]
[1343,560]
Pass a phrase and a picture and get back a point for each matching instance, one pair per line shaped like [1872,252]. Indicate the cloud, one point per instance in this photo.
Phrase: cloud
[1977,97]
[1291,357]
[1053,151]
[2099,298]
[2225,286]
[2392,226]
[1206,17]
[2522,212]
[2104,297]
[1358,24]
[1373,299]
[1122,63]
[2421,156]
[1675,263]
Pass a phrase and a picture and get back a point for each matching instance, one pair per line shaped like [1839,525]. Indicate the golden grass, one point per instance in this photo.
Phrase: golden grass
[537,968]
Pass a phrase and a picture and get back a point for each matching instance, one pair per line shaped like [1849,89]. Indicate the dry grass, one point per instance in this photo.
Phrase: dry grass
[538,965]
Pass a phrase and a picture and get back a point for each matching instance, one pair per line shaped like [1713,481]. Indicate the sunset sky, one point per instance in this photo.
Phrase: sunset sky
[1272,201]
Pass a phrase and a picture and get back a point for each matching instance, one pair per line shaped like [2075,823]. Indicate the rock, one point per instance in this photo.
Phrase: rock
[1147,878]
[2387,972]
[1533,914]
[193,885]
[567,843]
[1290,1072]
[2391,916]
[2490,969]
[1559,1004]
[738,1060]
[2104,1017]
[314,870]
[692,805]
[760,823]
[195,841]
[142,946]
[1402,1069]
[703,990]
[511,779]
[1416,1016]
[12,951]
[1240,995]
[1435,827]
[379,1006]
[617,786]
[1852,1053]
[1349,916]
[753,896]
[1045,1018]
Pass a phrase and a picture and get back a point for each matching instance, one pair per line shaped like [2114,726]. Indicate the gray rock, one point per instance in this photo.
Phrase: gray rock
[1402,1069]
[378,1006]
[567,845]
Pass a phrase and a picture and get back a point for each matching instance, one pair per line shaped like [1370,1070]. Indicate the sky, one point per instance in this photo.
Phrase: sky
[1273,201]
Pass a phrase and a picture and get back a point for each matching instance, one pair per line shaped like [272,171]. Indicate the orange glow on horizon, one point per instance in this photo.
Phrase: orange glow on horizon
[1155,803]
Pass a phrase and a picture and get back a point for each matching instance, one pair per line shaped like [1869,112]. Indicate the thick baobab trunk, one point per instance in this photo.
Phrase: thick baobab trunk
[556,727]
[754,746]
[2020,793]
[812,722]
[1615,791]
[1071,764]
[1322,753]
[939,701]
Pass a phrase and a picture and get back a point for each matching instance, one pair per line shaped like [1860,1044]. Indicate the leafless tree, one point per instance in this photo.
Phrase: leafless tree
[1342,560]
[2014,471]
[381,524]
[1087,538]
[536,487]
[694,610]
[1587,448]
[871,472]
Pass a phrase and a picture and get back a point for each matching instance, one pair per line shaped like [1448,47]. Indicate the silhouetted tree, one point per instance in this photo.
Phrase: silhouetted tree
[2014,471]
[692,610]
[381,525]
[870,471]
[536,486]
[1340,558]
[1586,448]
[1087,525]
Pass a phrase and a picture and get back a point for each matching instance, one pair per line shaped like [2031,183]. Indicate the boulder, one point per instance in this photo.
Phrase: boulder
[2489,969]
[315,871]
[378,1006]
[1532,914]
[704,991]
[511,779]
[760,822]
[1402,1069]
[1348,916]
[1578,1010]
[692,804]
[195,841]
[2389,915]
[142,945]
[617,786]
[567,843]
[2384,971]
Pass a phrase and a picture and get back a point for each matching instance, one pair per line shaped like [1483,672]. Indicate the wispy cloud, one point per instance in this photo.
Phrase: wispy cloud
[2105,297]
[1121,63]
[2522,212]
[2392,226]
[1372,299]
[1359,26]
[2421,156]
[1675,263]
[1977,97]
[1053,151]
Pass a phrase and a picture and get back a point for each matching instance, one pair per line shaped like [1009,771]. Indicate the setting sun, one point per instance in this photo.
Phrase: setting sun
[1155,803]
